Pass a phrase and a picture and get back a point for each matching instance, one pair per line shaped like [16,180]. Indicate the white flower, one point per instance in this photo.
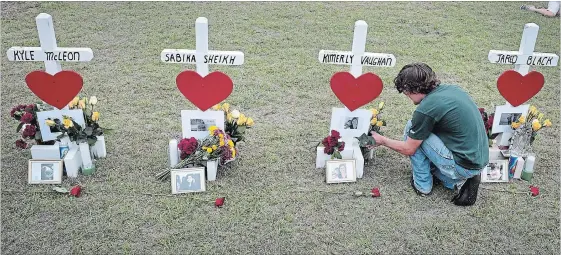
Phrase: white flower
[93,100]
[235,114]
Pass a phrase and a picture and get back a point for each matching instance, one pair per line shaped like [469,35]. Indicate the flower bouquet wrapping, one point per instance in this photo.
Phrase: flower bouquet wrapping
[488,119]
[526,129]
[236,123]
[217,145]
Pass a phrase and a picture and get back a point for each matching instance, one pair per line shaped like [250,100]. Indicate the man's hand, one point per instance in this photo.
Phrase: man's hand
[380,140]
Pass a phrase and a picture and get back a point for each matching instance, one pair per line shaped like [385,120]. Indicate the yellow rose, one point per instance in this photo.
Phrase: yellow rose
[209,150]
[233,153]
[515,125]
[242,120]
[74,102]
[214,147]
[216,107]
[229,117]
[374,111]
[67,123]
[230,143]
[381,105]
[93,100]
[226,107]
[235,114]
[374,121]
[82,104]
[50,123]
[95,116]
[536,125]
[221,142]
[540,116]
[379,123]
[522,119]
[533,109]
[249,122]
[547,123]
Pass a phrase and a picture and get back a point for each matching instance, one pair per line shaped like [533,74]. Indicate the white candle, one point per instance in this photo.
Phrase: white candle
[173,153]
[519,167]
[529,167]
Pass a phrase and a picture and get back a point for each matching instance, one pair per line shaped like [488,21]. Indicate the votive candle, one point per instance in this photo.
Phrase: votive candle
[173,153]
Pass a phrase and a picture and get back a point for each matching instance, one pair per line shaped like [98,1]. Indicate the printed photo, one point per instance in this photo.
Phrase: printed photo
[338,171]
[188,180]
[351,123]
[45,171]
[202,124]
[509,118]
[495,171]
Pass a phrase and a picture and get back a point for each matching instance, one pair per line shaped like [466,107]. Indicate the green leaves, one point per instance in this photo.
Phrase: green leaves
[336,155]
[19,127]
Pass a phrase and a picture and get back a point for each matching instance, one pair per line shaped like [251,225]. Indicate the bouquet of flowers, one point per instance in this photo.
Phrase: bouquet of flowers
[376,123]
[217,145]
[526,129]
[69,127]
[28,125]
[332,146]
[488,121]
[236,122]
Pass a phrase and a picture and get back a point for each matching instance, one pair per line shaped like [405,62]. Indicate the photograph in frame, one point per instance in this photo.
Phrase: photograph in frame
[495,171]
[42,116]
[350,124]
[45,171]
[195,123]
[188,180]
[340,171]
[505,115]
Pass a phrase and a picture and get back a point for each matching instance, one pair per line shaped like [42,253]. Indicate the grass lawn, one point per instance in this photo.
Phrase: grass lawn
[276,201]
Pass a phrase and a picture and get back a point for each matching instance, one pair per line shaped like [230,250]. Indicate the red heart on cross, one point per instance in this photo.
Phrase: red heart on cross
[204,92]
[356,92]
[518,89]
[56,90]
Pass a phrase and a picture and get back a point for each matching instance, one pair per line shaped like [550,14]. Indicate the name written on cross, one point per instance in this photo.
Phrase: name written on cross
[37,54]
[369,59]
[212,57]
[536,59]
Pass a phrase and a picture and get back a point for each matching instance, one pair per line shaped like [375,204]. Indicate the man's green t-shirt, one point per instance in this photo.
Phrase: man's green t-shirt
[450,113]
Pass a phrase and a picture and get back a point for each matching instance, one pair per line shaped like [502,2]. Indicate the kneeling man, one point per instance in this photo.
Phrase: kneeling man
[445,137]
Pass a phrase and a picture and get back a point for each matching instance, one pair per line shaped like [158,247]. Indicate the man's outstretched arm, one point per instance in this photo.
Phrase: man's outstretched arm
[406,148]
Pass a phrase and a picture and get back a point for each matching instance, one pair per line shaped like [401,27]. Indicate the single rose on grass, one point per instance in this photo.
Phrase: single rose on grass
[534,190]
[375,192]
[27,117]
[219,202]
[76,190]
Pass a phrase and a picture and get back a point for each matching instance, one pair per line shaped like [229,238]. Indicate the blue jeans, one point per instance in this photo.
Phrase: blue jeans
[433,158]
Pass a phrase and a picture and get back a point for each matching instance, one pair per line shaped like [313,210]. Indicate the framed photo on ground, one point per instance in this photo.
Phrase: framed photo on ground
[506,115]
[495,171]
[41,171]
[188,180]
[339,171]
[350,124]
[195,123]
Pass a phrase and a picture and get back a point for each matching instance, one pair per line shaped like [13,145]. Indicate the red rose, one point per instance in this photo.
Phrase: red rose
[490,120]
[75,191]
[341,147]
[335,134]
[328,150]
[325,142]
[29,108]
[29,131]
[375,192]
[481,110]
[21,144]
[21,107]
[26,118]
[332,141]
[219,202]
[534,190]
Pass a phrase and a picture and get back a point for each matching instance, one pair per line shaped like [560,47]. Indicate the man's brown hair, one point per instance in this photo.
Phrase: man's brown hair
[416,78]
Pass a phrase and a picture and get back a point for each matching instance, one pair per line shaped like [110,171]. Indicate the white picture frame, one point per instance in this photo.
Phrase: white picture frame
[333,173]
[42,171]
[359,120]
[42,116]
[495,171]
[204,120]
[505,115]
[188,180]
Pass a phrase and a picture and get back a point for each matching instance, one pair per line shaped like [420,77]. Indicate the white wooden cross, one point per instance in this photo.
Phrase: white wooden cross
[201,56]
[522,60]
[49,52]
